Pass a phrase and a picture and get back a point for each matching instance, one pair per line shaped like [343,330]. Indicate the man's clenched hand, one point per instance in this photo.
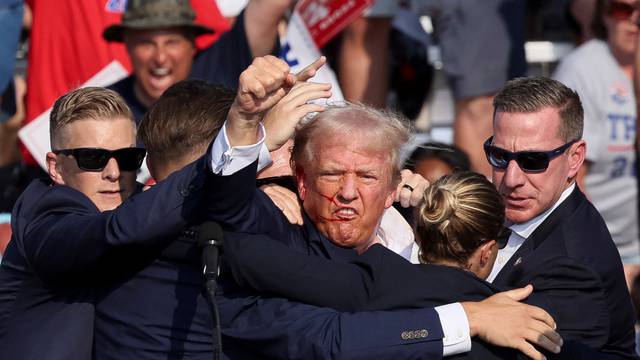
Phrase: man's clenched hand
[265,82]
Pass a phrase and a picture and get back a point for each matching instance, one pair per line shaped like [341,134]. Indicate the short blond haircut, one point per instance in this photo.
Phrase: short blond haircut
[86,103]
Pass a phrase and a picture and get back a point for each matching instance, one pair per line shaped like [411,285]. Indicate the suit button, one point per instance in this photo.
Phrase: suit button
[405,335]
[424,333]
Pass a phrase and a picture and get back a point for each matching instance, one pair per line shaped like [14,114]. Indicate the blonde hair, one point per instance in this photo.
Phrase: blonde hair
[458,213]
[384,130]
[86,103]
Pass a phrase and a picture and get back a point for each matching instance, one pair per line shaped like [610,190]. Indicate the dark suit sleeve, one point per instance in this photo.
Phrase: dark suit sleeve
[239,206]
[277,328]
[574,296]
[377,280]
[68,238]
[268,266]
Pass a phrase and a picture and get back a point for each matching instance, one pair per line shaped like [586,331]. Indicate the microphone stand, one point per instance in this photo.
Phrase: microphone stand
[211,250]
[210,291]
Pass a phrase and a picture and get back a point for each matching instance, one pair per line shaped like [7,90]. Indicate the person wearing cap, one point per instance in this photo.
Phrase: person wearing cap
[160,39]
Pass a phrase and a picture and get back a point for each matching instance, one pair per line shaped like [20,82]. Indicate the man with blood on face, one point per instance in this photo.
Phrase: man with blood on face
[346,181]
[347,167]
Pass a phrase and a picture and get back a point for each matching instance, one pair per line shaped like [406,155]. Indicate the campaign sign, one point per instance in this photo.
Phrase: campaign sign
[313,24]
[326,18]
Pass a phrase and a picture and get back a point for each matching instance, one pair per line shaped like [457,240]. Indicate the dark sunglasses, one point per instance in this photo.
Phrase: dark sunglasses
[95,159]
[503,237]
[529,161]
[621,10]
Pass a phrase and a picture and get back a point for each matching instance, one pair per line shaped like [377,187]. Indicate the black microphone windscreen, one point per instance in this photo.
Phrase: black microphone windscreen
[209,230]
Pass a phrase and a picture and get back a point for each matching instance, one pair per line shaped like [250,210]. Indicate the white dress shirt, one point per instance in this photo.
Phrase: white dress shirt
[227,160]
[395,233]
[520,232]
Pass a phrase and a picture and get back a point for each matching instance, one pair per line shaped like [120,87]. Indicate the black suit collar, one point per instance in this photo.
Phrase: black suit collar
[539,235]
[564,210]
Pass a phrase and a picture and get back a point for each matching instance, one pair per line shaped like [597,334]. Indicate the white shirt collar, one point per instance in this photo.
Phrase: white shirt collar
[396,234]
[521,232]
[525,229]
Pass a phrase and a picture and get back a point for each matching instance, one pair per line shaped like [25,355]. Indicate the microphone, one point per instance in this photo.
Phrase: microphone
[210,241]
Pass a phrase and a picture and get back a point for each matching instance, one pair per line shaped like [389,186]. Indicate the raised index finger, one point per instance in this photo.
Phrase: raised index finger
[311,69]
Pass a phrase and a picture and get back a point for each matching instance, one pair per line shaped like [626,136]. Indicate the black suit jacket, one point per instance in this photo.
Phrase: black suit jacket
[158,311]
[62,248]
[252,212]
[241,207]
[575,268]
[378,279]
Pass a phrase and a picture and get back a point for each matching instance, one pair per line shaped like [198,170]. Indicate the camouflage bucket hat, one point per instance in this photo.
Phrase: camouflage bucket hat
[155,14]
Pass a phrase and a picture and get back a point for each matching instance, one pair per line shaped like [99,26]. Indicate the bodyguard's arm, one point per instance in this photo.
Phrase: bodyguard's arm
[67,238]
[289,330]
[565,289]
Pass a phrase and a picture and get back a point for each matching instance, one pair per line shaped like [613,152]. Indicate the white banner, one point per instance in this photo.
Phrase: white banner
[299,50]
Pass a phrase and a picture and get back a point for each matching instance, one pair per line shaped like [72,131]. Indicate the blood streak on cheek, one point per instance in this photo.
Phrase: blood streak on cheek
[331,199]
[332,219]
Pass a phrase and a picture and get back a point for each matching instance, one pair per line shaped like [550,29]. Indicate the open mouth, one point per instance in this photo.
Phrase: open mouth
[345,213]
[159,72]
[160,78]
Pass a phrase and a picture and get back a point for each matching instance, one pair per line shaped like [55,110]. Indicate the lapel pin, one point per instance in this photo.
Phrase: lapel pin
[518,261]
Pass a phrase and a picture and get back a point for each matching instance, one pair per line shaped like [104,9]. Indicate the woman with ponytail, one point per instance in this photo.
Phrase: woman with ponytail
[459,230]
[460,223]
